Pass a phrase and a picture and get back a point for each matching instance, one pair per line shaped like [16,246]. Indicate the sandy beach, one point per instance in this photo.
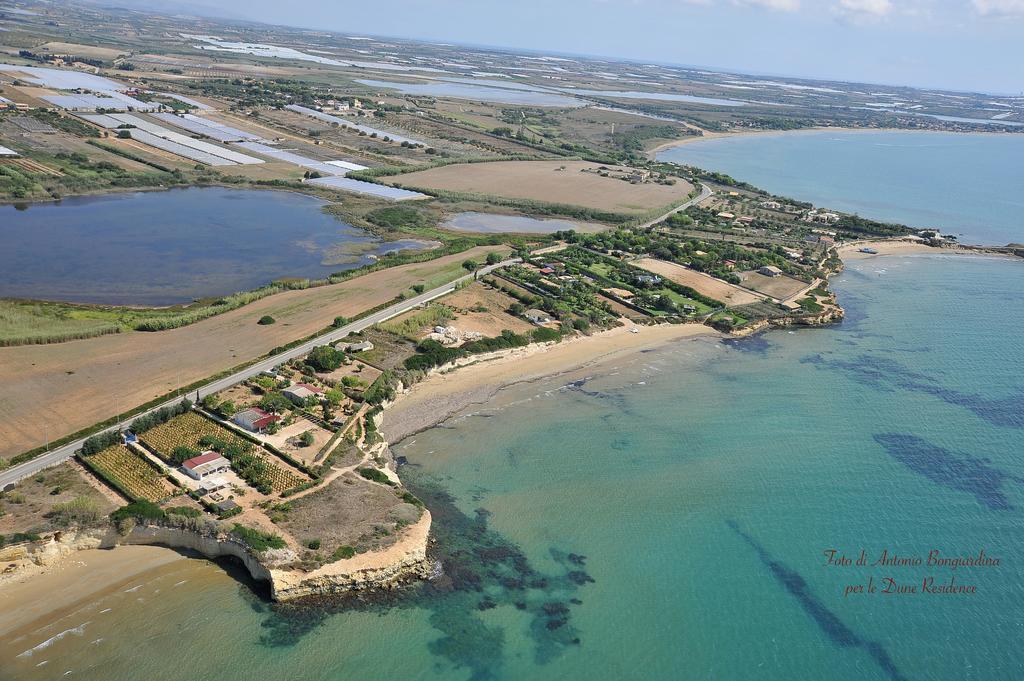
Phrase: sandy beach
[40,592]
[75,579]
[851,251]
[435,399]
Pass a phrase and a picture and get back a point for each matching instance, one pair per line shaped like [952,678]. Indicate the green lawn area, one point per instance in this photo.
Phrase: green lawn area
[680,299]
[602,269]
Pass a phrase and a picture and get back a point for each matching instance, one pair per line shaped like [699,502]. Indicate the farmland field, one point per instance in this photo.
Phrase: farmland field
[545,181]
[780,287]
[189,428]
[133,476]
[186,431]
[64,385]
[699,282]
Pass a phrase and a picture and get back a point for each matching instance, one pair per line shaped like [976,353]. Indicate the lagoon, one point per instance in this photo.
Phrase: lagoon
[171,247]
[493,223]
[964,184]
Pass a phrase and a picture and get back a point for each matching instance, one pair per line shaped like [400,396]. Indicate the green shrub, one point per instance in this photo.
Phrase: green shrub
[544,335]
[80,510]
[265,320]
[375,475]
[343,552]
[187,511]
[141,509]
[313,544]
[257,540]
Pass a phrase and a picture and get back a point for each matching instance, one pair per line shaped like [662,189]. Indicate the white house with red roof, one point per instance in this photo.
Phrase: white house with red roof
[255,419]
[207,463]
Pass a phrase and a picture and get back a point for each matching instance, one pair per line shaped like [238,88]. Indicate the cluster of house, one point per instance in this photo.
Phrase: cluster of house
[206,469]
[822,239]
[743,220]
[449,335]
[824,217]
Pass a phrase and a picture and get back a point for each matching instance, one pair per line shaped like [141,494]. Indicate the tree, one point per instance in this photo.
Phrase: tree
[227,409]
[325,358]
[275,402]
[469,265]
[306,439]
[183,454]
[418,288]
[340,322]
[352,382]
[493,258]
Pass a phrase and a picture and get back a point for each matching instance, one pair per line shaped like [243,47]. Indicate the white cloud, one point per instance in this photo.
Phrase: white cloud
[778,5]
[998,7]
[874,8]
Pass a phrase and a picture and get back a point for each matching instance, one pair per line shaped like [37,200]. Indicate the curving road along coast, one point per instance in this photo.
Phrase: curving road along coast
[705,193]
[65,452]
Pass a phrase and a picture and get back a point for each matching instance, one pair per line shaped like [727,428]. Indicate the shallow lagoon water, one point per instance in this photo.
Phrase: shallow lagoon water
[488,223]
[963,184]
[170,247]
[666,518]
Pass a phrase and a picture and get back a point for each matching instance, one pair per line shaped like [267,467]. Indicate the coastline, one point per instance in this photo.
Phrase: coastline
[710,135]
[427,404]
[442,395]
[75,577]
[78,574]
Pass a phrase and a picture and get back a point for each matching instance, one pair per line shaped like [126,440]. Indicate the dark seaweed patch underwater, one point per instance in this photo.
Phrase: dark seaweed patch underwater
[888,375]
[480,570]
[961,472]
[829,623]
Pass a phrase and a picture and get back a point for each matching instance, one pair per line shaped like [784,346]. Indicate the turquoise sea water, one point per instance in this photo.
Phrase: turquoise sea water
[972,185]
[666,517]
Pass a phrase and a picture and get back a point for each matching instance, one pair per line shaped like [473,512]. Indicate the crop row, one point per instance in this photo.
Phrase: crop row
[125,470]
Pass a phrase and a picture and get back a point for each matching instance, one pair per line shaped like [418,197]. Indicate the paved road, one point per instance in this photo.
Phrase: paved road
[705,192]
[65,452]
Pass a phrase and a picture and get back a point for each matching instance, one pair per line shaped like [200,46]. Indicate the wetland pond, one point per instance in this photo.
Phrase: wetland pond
[171,247]
[493,223]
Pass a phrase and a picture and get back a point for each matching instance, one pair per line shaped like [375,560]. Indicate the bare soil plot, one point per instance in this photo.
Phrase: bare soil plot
[389,350]
[481,309]
[52,390]
[360,370]
[28,506]
[578,184]
[623,311]
[700,282]
[287,439]
[350,511]
[780,287]
[242,395]
[79,50]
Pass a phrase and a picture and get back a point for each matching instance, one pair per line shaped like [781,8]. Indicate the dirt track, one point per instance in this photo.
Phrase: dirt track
[702,283]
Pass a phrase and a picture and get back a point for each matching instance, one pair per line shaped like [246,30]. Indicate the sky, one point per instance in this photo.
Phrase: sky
[975,45]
